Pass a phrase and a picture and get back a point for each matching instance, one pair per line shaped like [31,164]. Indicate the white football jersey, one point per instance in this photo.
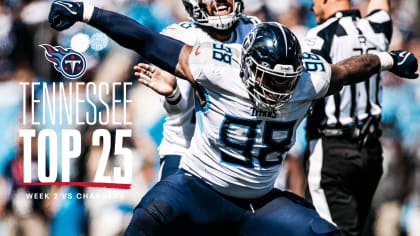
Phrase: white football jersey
[237,148]
[180,120]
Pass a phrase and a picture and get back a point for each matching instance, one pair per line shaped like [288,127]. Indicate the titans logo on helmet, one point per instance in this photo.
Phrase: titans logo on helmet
[69,63]
[249,40]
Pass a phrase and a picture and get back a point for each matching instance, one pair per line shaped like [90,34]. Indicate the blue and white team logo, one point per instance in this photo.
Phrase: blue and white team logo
[249,40]
[69,63]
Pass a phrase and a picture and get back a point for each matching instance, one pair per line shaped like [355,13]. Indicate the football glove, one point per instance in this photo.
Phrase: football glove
[64,14]
[405,64]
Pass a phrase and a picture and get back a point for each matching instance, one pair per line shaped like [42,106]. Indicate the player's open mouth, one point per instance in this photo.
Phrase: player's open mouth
[221,9]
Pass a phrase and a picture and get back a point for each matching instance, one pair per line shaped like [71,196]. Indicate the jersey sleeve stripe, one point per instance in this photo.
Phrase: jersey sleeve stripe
[381,22]
[385,28]
[378,16]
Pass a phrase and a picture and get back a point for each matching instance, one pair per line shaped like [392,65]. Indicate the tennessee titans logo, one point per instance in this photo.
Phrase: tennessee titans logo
[249,40]
[69,63]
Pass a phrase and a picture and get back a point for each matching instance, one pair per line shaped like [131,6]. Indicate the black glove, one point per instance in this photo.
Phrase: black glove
[405,64]
[64,14]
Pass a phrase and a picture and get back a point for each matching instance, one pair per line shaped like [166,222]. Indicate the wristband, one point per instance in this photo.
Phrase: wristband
[174,97]
[87,12]
[387,62]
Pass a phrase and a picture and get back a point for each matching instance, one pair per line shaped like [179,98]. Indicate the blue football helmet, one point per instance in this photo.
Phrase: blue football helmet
[198,14]
[271,64]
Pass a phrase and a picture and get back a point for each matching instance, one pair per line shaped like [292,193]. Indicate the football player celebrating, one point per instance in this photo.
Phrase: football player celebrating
[254,98]
[212,21]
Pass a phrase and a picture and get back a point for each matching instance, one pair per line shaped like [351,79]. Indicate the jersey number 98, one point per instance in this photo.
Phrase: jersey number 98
[268,156]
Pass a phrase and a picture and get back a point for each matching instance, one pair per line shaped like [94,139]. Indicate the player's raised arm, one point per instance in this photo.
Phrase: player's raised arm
[163,83]
[379,5]
[165,52]
[359,68]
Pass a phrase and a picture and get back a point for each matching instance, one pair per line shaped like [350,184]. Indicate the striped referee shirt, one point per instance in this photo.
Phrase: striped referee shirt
[343,35]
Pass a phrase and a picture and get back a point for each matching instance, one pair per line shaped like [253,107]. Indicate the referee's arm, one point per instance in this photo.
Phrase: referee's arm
[379,5]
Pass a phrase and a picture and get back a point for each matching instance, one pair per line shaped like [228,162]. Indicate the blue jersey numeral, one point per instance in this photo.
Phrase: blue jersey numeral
[186,25]
[273,148]
[246,147]
[312,63]
[222,53]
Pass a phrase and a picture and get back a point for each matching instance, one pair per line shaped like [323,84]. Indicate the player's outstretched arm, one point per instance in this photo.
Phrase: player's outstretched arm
[163,51]
[359,68]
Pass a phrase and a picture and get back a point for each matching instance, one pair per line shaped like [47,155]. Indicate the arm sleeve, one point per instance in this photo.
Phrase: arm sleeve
[159,49]
[381,22]
[184,103]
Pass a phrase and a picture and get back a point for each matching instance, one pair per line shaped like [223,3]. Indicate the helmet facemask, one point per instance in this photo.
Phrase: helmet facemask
[198,14]
[271,64]
[270,89]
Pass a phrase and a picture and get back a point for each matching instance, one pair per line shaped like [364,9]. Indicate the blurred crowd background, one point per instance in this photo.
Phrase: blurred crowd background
[23,26]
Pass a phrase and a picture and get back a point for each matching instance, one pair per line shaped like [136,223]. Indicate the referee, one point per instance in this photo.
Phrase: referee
[344,161]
